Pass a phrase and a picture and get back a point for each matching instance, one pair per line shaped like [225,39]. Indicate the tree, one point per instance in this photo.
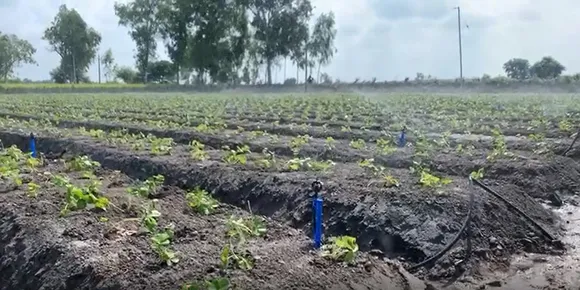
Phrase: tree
[74,41]
[108,64]
[160,70]
[322,40]
[14,52]
[547,68]
[280,25]
[60,76]
[127,75]
[142,17]
[517,68]
[218,44]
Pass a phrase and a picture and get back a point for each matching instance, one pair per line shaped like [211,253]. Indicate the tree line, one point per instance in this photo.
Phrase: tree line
[216,41]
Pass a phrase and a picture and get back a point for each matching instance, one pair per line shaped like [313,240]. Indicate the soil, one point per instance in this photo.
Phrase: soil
[39,250]
[406,223]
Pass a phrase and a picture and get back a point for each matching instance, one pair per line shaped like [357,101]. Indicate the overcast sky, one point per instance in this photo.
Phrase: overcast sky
[386,39]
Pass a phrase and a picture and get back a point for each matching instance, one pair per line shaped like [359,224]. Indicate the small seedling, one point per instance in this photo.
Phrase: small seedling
[343,248]
[201,201]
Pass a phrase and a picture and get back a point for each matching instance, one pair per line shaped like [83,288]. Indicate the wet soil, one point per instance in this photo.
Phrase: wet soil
[536,270]
[92,249]
[407,223]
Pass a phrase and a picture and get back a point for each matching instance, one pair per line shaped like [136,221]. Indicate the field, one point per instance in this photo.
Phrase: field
[150,191]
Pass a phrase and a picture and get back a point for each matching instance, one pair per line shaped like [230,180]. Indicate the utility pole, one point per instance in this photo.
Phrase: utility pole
[99,66]
[306,71]
[74,67]
[460,46]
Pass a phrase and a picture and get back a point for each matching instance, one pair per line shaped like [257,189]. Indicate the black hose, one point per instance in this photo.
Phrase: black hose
[519,211]
[467,221]
[572,144]
[453,242]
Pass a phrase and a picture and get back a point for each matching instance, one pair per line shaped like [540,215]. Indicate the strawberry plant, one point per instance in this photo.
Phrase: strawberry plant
[160,242]
[32,189]
[329,143]
[357,144]
[80,197]
[233,255]
[147,188]
[196,149]
[200,201]
[149,216]
[245,227]
[220,283]
[297,142]
[237,156]
[343,248]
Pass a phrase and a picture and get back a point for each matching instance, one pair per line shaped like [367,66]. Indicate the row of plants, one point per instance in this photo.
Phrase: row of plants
[89,194]
[386,109]
[423,148]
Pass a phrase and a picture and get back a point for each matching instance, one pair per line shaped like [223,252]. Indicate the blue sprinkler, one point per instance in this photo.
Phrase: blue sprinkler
[32,145]
[317,214]
[402,141]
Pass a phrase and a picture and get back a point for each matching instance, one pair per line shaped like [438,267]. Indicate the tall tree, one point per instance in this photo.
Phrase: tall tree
[547,68]
[108,64]
[279,26]
[74,41]
[142,18]
[14,52]
[517,68]
[322,40]
[176,19]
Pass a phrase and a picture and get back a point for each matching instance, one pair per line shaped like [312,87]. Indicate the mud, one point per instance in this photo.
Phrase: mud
[39,250]
[406,223]
[539,271]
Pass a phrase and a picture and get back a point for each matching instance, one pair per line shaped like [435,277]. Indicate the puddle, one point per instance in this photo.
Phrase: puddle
[536,271]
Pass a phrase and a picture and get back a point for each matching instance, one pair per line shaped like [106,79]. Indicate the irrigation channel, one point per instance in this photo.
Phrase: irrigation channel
[550,261]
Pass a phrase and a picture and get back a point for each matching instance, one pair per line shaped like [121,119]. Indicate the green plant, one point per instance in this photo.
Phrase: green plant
[160,242]
[565,126]
[269,159]
[477,174]
[297,142]
[385,146]
[499,145]
[148,187]
[343,248]
[358,144]
[245,227]
[196,149]
[149,217]
[390,181]
[220,283]
[237,156]
[329,143]
[80,197]
[236,254]
[427,179]
[200,201]
[161,146]
[32,189]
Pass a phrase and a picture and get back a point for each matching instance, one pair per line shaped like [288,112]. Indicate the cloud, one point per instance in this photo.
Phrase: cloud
[376,38]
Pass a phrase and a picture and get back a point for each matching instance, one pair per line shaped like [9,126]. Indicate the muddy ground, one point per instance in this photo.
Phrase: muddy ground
[91,249]
[407,223]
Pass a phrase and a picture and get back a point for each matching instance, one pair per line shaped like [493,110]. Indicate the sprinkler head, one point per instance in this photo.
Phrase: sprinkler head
[317,186]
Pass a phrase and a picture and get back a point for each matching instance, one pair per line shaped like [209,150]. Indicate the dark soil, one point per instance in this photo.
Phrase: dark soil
[39,250]
[408,223]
